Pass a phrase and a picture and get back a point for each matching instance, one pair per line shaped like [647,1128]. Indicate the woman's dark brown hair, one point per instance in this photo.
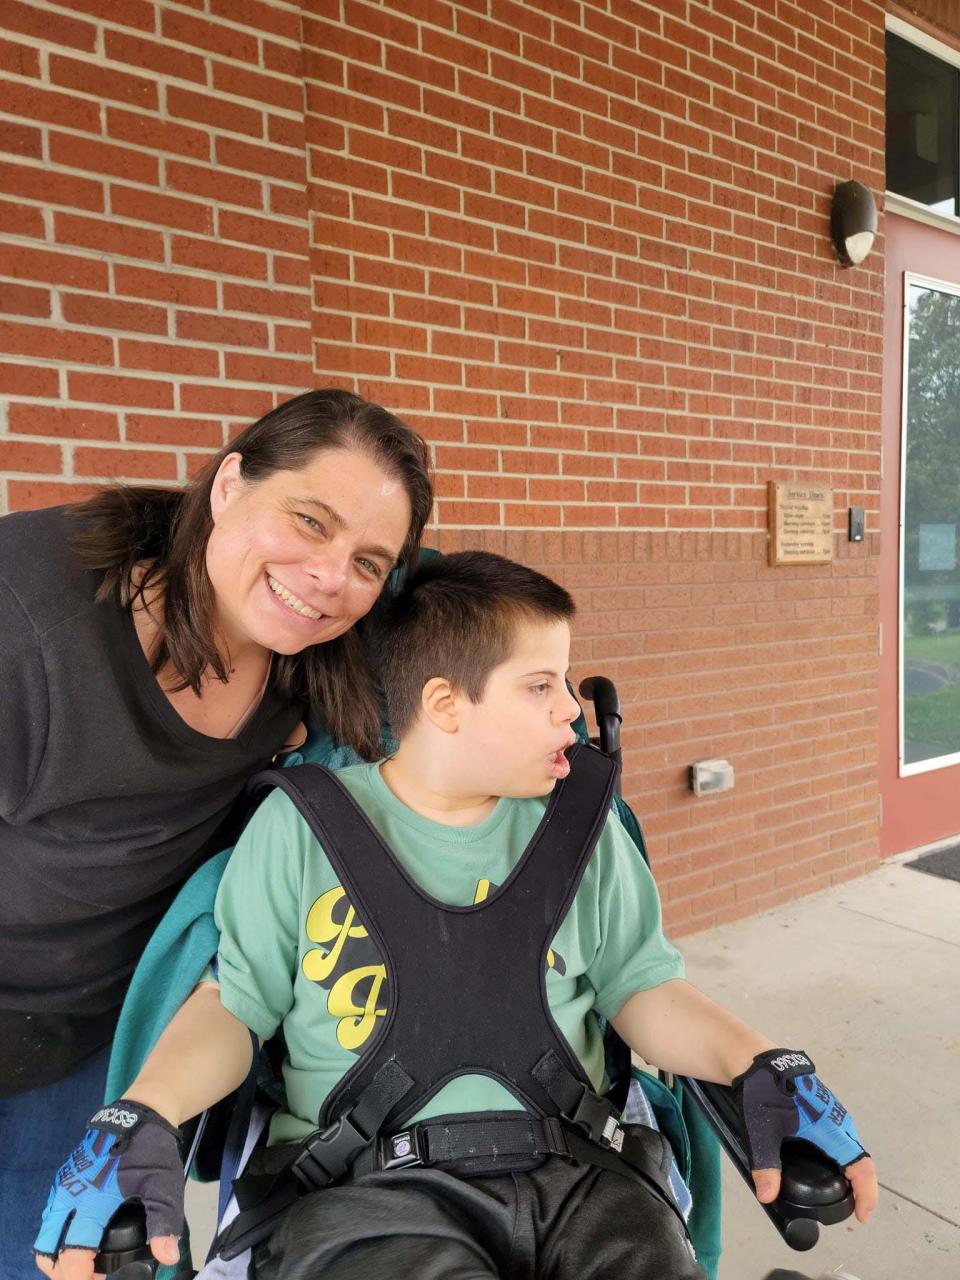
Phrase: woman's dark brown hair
[167,529]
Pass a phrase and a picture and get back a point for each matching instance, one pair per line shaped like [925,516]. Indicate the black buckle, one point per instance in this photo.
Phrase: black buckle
[556,1139]
[400,1150]
[327,1155]
[595,1115]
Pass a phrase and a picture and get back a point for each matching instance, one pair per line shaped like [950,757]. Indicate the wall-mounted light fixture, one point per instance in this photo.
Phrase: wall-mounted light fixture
[853,222]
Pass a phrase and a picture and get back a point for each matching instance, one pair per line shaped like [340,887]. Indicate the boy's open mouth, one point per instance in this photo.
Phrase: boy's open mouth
[559,764]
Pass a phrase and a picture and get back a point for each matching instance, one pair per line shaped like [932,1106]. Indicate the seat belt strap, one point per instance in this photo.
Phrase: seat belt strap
[328,1154]
[279,1174]
[644,1156]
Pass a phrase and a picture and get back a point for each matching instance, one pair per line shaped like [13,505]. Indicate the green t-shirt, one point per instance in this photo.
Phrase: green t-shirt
[293,951]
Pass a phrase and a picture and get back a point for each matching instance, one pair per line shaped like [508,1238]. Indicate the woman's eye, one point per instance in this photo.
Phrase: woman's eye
[369,568]
[310,522]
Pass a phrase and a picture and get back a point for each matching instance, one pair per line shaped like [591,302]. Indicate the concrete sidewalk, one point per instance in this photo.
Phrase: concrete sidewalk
[866,978]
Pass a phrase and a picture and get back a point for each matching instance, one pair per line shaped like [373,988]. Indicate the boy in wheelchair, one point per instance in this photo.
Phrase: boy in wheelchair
[436,936]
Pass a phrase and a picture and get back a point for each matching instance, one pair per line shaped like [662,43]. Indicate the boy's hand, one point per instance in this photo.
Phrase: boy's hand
[780,1097]
[129,1152]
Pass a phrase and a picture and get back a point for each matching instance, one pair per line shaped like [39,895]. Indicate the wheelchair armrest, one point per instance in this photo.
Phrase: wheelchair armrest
[813,1188]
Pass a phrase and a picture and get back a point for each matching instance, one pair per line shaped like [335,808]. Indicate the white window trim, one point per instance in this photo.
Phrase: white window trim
[946,52]
[893,202]
[907,208]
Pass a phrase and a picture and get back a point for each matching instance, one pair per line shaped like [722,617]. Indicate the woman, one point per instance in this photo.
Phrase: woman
[158,647]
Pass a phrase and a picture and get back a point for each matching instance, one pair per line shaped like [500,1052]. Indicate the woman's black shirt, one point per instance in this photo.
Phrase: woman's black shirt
[108,800]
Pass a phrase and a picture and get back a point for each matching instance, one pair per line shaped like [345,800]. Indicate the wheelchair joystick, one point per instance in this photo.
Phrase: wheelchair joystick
[124,1252]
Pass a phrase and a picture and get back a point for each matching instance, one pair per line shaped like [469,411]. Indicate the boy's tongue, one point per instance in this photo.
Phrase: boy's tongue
[559,764]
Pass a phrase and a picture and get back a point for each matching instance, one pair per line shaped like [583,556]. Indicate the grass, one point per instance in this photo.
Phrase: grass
[944,648]
[934,718]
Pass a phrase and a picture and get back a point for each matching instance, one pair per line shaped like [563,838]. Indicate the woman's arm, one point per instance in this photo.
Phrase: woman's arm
[676,1027]
[204,1054]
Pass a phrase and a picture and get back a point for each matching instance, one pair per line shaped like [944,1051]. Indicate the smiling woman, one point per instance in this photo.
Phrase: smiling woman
[158,647]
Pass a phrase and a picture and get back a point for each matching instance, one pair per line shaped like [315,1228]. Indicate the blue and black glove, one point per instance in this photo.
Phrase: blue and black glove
[780,1097]
[128,1153]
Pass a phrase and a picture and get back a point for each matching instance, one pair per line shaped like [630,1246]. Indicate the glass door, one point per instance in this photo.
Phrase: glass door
[920,551]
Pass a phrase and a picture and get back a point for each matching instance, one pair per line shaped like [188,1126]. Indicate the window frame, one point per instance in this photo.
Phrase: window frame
[893,201]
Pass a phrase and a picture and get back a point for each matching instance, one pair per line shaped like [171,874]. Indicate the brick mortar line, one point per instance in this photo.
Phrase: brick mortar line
[540,238]
[614,380]
[284,6]
[840,99]
[767,289]
[508,449]
[676,121]
[556,319]
[103,25]
[160,269]
[138,300]
[176,382]
[164,267]
[544,344]
[98,442]
[179,121]
[760,61]
[202,202]
[45,165]
[173,484]
[107,139]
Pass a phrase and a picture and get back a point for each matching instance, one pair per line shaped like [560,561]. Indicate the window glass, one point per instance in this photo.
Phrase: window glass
[922,111]
[930,625]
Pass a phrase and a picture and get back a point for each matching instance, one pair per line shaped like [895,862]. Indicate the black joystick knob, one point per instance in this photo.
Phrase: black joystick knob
[124,1252]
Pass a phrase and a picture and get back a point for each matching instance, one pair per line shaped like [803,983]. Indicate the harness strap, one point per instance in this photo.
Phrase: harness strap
[491,1143]
[279,1174]
[578,1103]
[328,1154]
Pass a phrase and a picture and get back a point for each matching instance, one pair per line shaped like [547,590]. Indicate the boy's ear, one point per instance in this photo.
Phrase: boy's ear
[439,704]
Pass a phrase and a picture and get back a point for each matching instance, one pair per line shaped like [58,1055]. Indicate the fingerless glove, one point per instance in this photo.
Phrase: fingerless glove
[779,1097]
[129,1152]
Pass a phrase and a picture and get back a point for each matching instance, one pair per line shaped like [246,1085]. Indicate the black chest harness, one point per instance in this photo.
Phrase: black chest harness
[468,997]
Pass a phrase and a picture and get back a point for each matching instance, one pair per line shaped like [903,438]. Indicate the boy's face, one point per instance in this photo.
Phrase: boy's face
[512,741]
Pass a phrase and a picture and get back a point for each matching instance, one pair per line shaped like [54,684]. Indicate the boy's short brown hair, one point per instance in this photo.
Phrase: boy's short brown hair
[456,616]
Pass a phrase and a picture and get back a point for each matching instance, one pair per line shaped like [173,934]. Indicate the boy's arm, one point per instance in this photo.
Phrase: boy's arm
[203,1054]
[676,1027]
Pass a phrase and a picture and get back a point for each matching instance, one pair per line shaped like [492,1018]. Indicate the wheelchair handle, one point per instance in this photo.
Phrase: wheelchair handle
[124,1251]
[606,708]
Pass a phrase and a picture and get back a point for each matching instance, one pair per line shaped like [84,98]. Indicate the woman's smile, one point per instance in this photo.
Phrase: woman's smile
[292,601]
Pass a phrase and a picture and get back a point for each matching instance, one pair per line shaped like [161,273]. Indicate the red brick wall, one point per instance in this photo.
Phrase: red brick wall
[583,248]
[154,255]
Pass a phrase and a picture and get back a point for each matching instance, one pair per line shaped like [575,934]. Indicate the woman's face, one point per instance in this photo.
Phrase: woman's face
[295,559]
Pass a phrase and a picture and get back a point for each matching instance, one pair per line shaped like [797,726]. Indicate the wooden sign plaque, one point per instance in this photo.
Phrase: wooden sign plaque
[800,517]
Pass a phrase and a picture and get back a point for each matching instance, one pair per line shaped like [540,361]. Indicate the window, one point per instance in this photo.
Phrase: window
[923,106]
[930,597]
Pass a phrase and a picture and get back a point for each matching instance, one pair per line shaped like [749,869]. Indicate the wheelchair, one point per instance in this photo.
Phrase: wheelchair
[813,1192]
